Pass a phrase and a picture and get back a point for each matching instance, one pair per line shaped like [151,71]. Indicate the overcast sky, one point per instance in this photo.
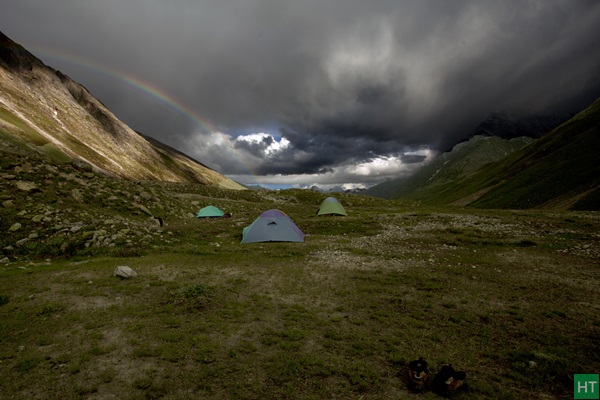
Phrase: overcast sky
[325,92]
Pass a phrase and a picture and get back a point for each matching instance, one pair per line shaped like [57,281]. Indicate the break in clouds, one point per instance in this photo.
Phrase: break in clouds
[305,92]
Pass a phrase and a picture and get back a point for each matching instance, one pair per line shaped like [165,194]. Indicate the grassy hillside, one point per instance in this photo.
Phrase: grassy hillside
[561,170]
[563,167]
[464,160]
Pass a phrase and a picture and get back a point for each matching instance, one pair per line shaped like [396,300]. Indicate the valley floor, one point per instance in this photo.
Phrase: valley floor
[510,297]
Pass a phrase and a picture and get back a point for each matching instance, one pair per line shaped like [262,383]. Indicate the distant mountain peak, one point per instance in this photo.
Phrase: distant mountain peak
[14,57]
[509,124]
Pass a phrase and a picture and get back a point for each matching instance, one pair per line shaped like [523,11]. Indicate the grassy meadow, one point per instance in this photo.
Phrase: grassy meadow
[510,297]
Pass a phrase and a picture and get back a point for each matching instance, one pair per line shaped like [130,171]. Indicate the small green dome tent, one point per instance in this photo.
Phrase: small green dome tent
[210,212]
[331,206]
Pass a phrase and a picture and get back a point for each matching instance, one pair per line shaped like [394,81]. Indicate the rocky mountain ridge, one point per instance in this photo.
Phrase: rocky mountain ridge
[511,124]
[45,110]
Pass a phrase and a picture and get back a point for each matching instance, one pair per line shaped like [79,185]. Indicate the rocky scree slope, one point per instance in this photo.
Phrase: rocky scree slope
[50,209]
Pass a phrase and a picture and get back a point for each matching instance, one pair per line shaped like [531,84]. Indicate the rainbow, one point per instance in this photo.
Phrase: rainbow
[149,89]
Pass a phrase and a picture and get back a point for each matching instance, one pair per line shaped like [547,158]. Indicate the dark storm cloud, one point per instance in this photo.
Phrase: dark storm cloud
[412,158]
[343,80]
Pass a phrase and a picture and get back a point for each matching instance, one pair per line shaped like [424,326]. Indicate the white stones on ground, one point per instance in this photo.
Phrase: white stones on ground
[15,227]
[125,272]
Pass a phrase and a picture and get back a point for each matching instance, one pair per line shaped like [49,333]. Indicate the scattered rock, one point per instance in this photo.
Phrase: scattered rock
[8,203]
[143,208]
[15,227]
[26,186]
[77,194]
[27,167]
[21,242]
[50,168]
[125,272]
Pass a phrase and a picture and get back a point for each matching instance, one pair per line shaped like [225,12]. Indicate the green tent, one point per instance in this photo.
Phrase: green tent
[210,212]
[272,226]
[331,206]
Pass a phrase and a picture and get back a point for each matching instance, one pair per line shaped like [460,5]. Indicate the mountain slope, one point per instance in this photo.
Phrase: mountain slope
[463,160]
[560,170]
[45,110]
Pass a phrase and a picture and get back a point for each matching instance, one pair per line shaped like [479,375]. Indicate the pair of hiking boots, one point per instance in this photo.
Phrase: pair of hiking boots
[445,382]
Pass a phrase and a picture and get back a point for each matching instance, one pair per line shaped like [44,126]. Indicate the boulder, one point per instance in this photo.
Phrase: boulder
[125,272]
[21,242]
[27,186]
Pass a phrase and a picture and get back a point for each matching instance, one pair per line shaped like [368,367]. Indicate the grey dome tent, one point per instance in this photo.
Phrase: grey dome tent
[210,212]
[272,226]
[331,206]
